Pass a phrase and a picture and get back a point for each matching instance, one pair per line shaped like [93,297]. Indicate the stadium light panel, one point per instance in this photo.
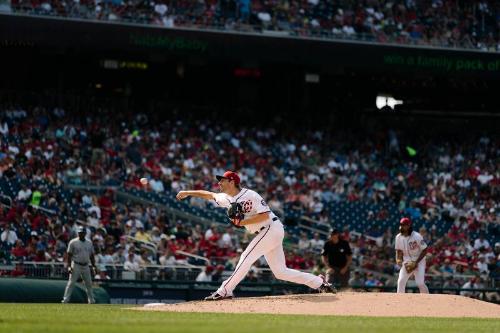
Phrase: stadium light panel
[383,101]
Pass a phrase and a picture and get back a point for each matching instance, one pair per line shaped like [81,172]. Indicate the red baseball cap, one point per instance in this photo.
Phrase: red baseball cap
[405,221]
[230,175]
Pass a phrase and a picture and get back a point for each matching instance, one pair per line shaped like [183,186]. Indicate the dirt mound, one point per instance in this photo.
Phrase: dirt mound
[346,304]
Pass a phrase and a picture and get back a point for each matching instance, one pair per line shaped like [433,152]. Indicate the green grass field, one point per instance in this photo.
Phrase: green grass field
[116,318]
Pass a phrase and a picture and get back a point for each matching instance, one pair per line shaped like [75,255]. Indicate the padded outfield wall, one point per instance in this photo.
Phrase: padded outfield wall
[21,290]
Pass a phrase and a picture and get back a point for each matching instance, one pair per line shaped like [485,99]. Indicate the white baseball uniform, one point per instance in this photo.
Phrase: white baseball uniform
[411,246]
[267,243]
[81,252]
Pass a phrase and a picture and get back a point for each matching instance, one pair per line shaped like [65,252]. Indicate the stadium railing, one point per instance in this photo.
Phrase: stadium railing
[58,270]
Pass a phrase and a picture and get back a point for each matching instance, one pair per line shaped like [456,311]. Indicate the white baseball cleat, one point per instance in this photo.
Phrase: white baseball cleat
[326,287]
[217,297]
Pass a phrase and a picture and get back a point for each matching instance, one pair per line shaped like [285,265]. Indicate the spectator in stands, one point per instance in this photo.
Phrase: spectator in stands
[447,268]
[92,220]
[372,281]
[217,276]
[132,264]
[19,251]
[105,259]
[119,256]
[181,234]
[197,233]
[24,194]
[133,225]
[451,284]
[8,236]
[211,231]
[482,266]
[167,258]
[304,243]
[157,185]
[141,235]
[205,275]
[145,259]
[102,274]
[481,242]
[473,283]
[155,235]
[356,280]
[18,270]
[226,241]
[317,243]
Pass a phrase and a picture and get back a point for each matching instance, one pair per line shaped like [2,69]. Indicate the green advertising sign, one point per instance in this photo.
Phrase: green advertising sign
[169,43]
[444,63]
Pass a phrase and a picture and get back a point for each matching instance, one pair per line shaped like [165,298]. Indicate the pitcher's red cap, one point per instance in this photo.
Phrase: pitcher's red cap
[405,221]
[230,175]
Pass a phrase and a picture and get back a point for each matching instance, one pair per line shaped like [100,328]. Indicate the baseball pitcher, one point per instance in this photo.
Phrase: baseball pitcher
[410,253]
[247,209]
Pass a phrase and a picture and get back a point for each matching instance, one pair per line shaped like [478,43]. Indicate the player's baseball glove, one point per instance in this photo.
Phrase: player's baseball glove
[410,266]
[235,213]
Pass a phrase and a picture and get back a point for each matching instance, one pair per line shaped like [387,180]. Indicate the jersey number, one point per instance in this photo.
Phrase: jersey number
[247,206]
[413,245]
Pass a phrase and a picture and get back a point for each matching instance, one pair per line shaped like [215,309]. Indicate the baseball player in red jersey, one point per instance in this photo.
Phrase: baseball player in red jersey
[260,220]
[410,256]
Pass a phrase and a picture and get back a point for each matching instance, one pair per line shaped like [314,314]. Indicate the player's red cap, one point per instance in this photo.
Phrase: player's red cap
[231,175]
[405,221]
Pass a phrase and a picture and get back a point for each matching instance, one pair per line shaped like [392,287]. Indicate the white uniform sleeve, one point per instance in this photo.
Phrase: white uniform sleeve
[398,243]
[71,247]
[259,204]
[421,241]
[222,200]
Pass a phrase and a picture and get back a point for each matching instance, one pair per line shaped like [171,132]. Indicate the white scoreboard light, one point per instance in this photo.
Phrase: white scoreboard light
[384,101]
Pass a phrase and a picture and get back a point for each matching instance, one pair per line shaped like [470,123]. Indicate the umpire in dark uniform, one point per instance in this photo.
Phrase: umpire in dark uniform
[337,257]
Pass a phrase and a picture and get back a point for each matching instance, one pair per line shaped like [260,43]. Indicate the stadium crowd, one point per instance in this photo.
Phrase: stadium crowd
[457,23]
[306,172]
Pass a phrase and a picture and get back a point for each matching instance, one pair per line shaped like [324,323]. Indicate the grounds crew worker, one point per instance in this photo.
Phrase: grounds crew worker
[337,257]
[80,255]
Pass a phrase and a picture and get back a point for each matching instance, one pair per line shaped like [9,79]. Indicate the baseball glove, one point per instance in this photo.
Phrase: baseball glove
[235,213]
[410,266]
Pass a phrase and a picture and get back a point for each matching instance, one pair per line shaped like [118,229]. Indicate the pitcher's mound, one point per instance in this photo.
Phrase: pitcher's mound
[347,304]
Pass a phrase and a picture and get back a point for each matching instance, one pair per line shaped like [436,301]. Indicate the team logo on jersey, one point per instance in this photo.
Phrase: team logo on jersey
[413,245]
[263,203]
[247,206]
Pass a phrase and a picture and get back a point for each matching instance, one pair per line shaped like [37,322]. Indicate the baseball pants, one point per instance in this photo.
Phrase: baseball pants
[84,272]
[268,243]
[419,273]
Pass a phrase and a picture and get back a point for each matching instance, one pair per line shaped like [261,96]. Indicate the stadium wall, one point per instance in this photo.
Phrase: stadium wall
[44,291]
[134,292]
[78,36]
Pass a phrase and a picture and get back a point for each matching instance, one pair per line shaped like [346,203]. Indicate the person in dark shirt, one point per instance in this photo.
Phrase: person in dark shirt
[337,256]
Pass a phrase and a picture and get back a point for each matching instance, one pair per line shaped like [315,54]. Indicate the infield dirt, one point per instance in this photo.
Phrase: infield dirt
[345,304]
